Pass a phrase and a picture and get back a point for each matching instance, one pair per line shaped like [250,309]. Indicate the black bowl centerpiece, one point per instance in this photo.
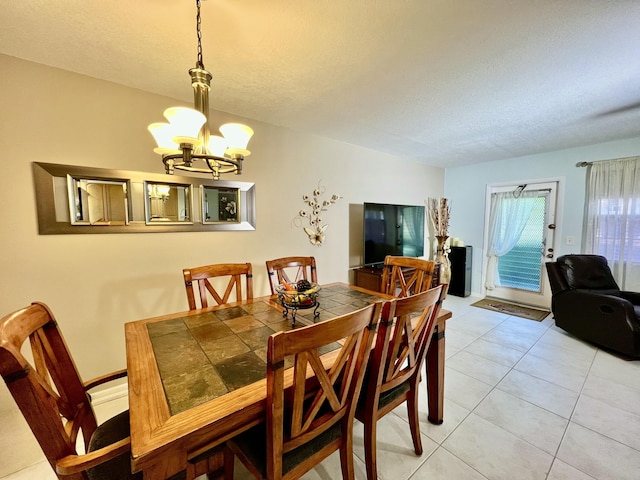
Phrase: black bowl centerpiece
[300,295]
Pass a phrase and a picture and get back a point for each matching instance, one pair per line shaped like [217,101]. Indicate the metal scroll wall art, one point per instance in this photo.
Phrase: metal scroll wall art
[311,214]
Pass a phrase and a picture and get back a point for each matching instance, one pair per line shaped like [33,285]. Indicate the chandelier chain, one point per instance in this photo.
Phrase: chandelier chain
[199,62]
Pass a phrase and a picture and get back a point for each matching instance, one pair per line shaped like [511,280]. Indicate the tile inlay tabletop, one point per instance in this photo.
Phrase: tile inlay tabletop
[201,357]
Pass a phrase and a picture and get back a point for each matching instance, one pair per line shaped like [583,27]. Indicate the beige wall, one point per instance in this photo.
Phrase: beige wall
[96,283]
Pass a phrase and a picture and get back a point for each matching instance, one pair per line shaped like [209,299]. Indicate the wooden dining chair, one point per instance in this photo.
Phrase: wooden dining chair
[405,276]
[291,269]
[203,275]
[310,407]
[55,402]
[393,374]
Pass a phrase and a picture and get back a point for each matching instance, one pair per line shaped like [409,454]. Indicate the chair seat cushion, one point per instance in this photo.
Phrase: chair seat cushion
[119,468]
[111,431]
[253,444]
[390,395]
[385,398]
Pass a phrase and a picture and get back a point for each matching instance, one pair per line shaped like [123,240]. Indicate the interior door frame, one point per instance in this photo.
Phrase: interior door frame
[542,299]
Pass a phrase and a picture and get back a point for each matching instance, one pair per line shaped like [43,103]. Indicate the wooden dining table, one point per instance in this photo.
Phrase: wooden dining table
[197,378]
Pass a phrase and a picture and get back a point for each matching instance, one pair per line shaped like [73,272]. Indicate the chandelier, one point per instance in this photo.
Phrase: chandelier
[187,139]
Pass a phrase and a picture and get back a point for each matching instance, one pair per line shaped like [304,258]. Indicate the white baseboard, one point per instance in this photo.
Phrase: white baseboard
[108,394]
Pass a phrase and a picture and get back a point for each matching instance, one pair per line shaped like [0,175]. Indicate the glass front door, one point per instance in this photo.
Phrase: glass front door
[521,276]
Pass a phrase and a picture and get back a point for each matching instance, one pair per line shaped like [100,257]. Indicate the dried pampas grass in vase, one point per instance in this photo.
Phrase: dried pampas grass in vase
[439,212]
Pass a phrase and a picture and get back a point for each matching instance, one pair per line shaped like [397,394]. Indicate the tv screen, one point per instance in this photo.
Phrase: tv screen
[392,230]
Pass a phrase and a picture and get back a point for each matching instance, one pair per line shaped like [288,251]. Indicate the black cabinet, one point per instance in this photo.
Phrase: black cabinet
[460,258]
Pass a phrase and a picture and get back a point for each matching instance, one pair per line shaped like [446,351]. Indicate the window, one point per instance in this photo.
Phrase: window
[520,267]
[612,220]
[618,228]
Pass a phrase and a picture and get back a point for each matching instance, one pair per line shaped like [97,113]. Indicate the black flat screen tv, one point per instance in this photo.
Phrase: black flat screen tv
[392,230]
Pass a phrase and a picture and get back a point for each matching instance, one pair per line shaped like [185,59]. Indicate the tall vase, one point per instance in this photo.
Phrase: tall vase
[442,257]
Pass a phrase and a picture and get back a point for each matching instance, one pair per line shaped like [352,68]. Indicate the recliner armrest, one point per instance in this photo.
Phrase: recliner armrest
[609,321]
[586,304]
[556,280]
[633,297]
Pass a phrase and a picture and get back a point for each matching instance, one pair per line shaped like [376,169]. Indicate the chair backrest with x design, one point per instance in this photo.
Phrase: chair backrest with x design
[403,337]
[311,406]
[333,399]
[202,277]
[405,276]
[404,334]
[291,269]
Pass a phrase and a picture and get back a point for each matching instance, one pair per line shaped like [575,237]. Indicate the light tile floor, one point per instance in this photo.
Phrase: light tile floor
[523,400]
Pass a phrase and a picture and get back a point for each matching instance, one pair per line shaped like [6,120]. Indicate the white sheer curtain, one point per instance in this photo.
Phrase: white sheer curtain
[612,217]
[508,216]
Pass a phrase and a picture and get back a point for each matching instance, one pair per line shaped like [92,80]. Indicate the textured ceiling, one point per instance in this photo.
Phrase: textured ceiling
[448,82]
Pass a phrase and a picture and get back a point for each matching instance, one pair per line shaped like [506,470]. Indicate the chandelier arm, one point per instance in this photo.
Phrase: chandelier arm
[192,169]
[231,170]
[202,156]
[233,164]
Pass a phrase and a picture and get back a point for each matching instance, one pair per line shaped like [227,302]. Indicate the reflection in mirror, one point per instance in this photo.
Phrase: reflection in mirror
[220,204]
[168,203]
[98,202]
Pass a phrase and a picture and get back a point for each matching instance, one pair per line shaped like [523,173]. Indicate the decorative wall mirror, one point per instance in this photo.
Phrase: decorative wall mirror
[71,199]
[220,204]
[167,203]
[98,202]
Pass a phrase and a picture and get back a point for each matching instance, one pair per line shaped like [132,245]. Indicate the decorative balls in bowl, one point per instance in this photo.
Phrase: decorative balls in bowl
[299,295]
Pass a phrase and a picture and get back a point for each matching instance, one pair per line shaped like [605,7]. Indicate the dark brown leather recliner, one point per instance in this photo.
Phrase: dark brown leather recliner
[587,302]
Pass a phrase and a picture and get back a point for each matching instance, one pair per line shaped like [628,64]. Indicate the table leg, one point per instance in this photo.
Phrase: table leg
[435,376]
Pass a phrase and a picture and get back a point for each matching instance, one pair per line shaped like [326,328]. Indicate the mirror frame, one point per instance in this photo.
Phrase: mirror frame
[53,199]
